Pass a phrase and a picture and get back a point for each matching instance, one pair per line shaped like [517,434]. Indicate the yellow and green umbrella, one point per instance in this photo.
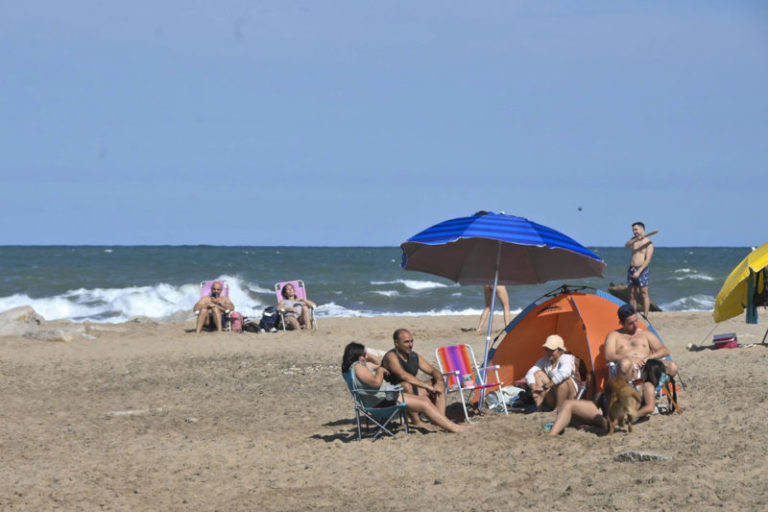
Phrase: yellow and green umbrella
[739,288]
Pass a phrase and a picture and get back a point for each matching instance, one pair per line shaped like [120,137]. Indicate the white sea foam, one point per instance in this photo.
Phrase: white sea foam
[387,293]
[692,303]
[255,288]
[120,304]
[413,284]
[694,276]
[337,311]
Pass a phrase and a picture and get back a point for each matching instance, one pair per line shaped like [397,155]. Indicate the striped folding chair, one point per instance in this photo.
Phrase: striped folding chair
[461,373]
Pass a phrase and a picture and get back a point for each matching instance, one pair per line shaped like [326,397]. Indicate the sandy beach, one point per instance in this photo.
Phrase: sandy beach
[147,416]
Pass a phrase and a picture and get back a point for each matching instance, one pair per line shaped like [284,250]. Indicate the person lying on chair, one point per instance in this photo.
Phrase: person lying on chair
[554,378]
[295,309]
[212,309]
[629,347]
[367,377]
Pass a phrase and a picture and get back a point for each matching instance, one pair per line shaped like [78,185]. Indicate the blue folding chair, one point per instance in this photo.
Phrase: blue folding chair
[378,416]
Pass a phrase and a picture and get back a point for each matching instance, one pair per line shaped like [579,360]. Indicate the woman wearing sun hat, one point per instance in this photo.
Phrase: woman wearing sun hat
[555,377]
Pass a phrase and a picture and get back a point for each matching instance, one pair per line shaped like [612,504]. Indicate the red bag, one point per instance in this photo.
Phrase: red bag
[236,321]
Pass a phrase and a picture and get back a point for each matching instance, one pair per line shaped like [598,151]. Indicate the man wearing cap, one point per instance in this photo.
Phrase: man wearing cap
[629,347]
[554,378]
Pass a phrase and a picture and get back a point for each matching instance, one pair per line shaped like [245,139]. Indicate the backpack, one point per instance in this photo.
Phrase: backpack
[251,324]
[269,319]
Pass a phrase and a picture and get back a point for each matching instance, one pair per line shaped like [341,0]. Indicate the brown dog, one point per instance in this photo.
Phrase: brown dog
[620,402]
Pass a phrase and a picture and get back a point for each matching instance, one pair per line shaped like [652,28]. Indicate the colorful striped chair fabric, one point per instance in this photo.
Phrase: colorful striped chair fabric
[461,373]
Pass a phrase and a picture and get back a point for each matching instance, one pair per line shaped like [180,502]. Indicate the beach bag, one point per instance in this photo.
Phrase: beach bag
[251,324]
[235,321]
[269,319]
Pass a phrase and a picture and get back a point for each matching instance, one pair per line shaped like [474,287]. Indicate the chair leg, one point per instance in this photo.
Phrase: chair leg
[359,430]
[464,406]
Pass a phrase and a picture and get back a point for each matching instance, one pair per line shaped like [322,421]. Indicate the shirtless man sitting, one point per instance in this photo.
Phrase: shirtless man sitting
[630,347]
[212,307]
[404,364]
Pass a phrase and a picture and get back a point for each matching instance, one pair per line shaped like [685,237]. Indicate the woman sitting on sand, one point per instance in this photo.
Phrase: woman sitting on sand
[366,377]
[586,411]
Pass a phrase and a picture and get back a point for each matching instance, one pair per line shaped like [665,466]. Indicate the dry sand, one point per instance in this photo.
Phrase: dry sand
[146,416]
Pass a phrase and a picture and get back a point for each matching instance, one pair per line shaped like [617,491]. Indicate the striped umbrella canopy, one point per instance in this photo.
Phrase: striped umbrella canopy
[475,249]
[495,248]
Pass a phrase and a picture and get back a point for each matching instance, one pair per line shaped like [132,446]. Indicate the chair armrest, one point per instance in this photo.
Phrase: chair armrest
[454,372]
[494,367]
[372,391]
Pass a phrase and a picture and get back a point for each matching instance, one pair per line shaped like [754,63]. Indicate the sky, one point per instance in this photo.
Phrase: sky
[360,123]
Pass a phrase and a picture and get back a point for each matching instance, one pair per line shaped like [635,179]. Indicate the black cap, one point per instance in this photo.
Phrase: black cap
[625,312]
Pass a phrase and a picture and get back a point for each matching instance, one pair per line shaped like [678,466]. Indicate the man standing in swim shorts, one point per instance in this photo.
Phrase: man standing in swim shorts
[637,275]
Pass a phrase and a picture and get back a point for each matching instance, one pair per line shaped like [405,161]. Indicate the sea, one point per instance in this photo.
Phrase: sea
[116,283]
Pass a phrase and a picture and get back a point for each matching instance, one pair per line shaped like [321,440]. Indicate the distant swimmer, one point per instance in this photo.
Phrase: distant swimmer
[638,272]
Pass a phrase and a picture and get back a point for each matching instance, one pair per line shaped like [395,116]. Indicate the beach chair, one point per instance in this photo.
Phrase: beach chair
[666,388]
[461,373]
[301,292]
[378,416]
[585,376]
[205,290]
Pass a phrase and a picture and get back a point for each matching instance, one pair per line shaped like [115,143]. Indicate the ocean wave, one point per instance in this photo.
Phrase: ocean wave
[255,288]
[691,303]
[413,284]
[110,305]
[387,293]
[336,311]
[694,276]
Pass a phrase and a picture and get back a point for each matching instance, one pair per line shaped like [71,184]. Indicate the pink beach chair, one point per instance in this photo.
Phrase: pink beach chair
[301,292]
[205,287]
[461,373]
[205,290]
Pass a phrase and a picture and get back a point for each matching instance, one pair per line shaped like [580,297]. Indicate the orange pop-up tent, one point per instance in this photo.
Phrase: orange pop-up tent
[583,318]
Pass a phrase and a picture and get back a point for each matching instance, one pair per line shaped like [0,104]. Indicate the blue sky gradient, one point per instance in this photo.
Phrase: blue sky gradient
[362,123]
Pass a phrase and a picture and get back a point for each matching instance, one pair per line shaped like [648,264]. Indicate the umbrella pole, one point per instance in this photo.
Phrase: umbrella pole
[490,324]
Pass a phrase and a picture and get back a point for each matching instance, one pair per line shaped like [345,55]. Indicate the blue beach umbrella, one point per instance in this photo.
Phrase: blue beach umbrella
[491,248]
